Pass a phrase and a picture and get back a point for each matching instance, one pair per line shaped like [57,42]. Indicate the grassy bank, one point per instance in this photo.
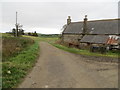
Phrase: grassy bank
[86,52]
[19,63]
[11,46]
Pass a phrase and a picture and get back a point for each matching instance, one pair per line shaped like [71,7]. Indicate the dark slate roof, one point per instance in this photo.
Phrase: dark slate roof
[95,39]
[95,27]
[103,27]
[74,28]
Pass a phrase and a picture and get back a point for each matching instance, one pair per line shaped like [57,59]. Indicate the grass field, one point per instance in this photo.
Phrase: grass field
[20,62]
[45,39]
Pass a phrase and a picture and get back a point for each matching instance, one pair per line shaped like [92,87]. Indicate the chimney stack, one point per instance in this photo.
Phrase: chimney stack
[68,20]
[85,25]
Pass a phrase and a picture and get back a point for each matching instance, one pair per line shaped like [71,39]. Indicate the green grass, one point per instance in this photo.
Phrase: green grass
[86,52]
[17,67]
[45,39]
[6,35]
[11,46]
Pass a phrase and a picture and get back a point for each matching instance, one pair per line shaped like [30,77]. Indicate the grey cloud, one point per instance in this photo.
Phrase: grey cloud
[54,14]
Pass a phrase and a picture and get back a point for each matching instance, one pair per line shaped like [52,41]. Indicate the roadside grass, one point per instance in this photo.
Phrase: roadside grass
[53,40]
[86,52]
[11,46]
[17,66]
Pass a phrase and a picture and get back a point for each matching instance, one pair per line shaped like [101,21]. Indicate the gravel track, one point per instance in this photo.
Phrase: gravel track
[56,68]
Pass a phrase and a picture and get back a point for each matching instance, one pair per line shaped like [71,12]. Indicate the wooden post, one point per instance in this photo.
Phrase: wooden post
[16,26]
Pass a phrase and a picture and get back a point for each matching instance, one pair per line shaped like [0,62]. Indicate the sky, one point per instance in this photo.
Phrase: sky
[48,17]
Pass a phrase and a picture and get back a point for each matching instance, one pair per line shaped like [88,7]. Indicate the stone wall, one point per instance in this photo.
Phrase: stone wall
[71,38]
[84,46]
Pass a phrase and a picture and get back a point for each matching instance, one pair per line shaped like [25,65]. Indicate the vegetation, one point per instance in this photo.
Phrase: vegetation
[20,61]
[13,45]
[33,34]
[115,54]
[20,32]
[51,39]
[49,35]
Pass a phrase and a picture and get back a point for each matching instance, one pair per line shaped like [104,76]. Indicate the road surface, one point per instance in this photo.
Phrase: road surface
[56,68]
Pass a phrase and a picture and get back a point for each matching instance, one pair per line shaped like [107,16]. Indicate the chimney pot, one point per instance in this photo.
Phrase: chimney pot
[85,25]
[68,17]
[85,19]
[68,20]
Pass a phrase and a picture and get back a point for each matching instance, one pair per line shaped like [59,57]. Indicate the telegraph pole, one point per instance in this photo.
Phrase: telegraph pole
[16,26]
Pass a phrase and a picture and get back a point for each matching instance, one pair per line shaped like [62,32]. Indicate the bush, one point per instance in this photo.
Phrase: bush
[17,67]
[19,56]
[13,45]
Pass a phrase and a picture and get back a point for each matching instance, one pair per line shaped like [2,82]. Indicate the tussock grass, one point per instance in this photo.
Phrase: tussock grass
[11,46]
[17,66]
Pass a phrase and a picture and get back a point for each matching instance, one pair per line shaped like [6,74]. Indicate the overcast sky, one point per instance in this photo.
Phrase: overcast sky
[49,17]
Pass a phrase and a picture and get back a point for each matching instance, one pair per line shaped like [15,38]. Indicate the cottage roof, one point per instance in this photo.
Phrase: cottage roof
[103,27]
[96,39]
[74,28]
[95,27]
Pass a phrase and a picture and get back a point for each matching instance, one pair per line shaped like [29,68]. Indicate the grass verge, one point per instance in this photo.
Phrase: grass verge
[12,46]
[86,52]
[52,41]
[17,67]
